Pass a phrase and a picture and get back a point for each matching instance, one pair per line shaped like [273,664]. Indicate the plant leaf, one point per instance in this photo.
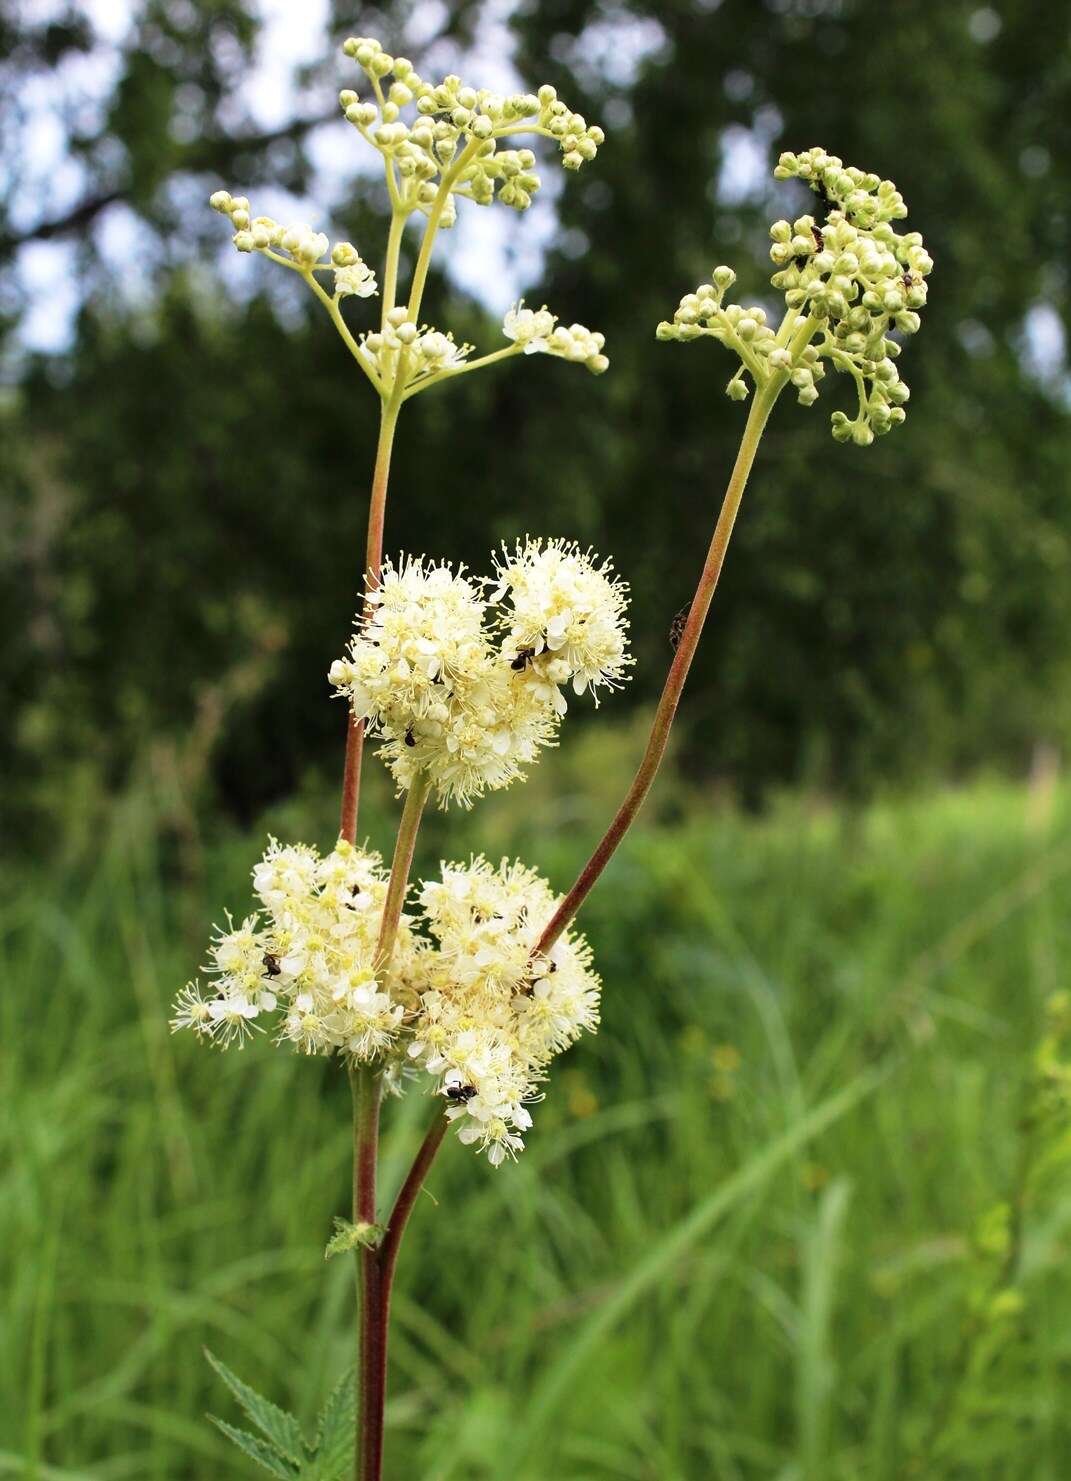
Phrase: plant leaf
[335,1429]
[349,1236]
[279,1427]
[256,1449]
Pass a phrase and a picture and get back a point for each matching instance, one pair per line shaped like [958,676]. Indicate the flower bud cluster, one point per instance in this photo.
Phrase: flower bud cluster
[538,332]
[849,284]
[743,330]
[452,135]
[299,246]
[311,954]
[439,672]
[413,352]
[463,998]
[492,1015]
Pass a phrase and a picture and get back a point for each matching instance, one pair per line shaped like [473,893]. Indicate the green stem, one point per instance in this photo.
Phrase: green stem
[331,305]
[351,775]
[366,1084]
[420,272]
[445,375]
[390,264]
[415,798]
[678,673]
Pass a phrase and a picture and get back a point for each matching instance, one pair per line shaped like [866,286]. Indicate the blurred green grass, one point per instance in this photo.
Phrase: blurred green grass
[737,1246]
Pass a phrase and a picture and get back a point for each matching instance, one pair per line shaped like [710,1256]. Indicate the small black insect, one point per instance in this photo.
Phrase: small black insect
[908,282]
[827,200]
[523,659]
[355,889]
[459,1094]
[819,239]
[676,627]
[271,964]
[410,738]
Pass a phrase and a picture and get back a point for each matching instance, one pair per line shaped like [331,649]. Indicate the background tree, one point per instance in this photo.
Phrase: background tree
[170,415]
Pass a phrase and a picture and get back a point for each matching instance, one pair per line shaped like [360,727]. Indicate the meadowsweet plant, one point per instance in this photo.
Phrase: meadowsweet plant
[465,987]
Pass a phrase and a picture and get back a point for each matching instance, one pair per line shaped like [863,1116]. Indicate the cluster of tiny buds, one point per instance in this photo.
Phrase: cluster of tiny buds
[416,352]
[537,331]
[453,139]
[849,284]
[420,354]
[305,249]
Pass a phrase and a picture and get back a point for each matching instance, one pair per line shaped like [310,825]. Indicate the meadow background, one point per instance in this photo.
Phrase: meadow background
[751,1235]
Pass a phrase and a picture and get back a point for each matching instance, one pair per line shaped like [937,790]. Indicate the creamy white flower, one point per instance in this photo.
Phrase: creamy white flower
[402,348]
[304,245]
[564,616]
[357,280]
[425,672]
[531,328]
[312,956]
[493,1017]
[466,1001]
[538,332]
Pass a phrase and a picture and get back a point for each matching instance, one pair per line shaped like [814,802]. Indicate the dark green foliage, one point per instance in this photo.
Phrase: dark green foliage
[202,466]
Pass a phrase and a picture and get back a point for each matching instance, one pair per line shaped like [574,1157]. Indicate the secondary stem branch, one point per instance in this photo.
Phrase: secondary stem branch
[401,864]
[351,775]
[678,673]
[404,1203]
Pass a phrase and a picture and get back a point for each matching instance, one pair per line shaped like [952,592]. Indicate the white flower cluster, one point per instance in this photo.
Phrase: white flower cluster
[466,689]
[298,245]
[538,332]
[466,1001]
[414,352]
[312,956]
[493,1017]
[566,618]
[849,284]
[456,132]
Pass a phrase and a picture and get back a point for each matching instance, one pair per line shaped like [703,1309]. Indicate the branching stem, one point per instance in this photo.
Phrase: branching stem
[761,407]
[351,775]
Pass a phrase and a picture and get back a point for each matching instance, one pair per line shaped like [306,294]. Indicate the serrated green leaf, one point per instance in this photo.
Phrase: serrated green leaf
[279,1427]
[349,1236]
[335,1430]
[256,1449]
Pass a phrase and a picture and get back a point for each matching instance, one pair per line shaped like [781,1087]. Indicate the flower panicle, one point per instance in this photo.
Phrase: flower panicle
[850,282]
[465,1001]
[461,677]
[447,136]
[298,246]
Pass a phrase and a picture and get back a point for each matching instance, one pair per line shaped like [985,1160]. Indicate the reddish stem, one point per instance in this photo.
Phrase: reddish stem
[403,1205]
[678,672]
[351,779]
[366,1085]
